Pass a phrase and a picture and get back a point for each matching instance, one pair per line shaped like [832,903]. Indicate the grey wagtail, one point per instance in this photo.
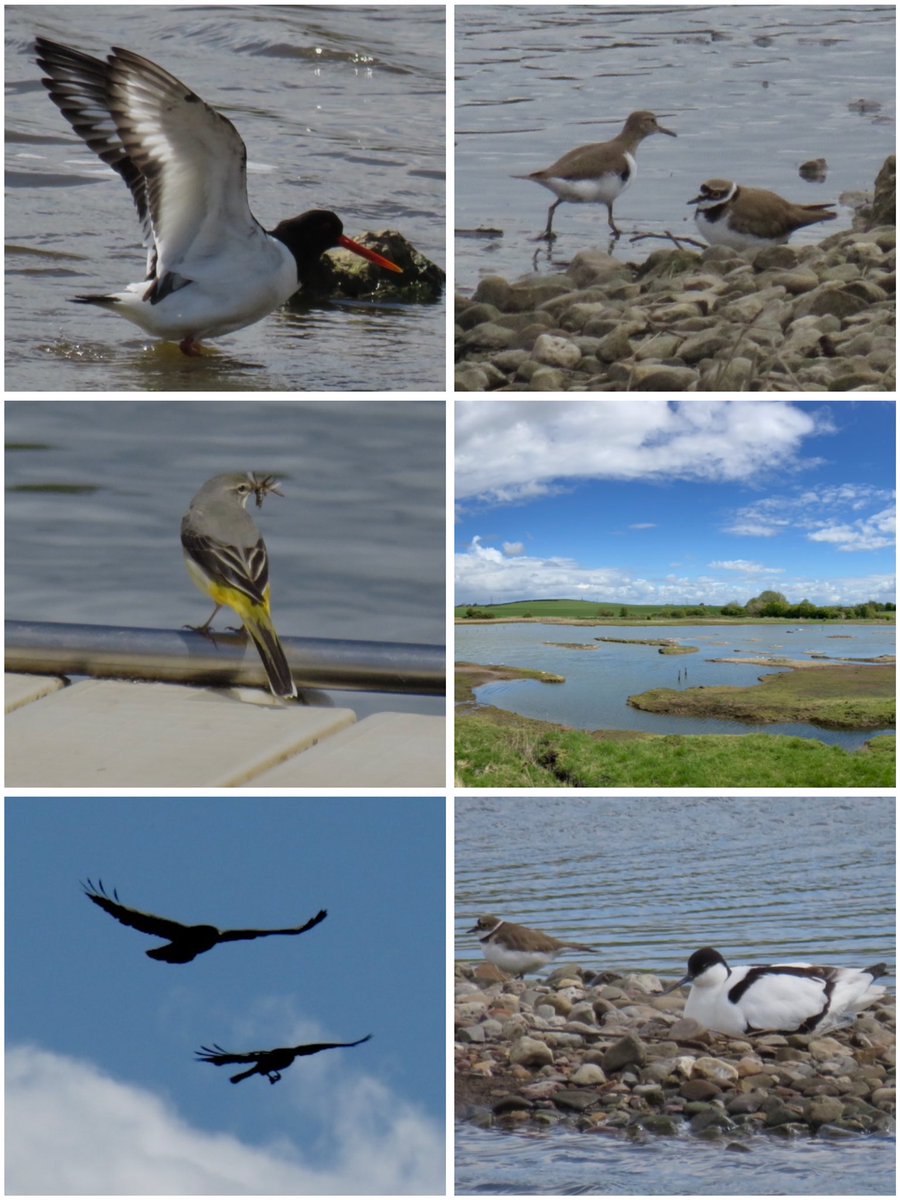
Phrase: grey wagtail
[227,560]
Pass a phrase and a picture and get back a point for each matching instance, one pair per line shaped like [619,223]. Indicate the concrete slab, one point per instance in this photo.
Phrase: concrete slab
[110,734]
[385,750]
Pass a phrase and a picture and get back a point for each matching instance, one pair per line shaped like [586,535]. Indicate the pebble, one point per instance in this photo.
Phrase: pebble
[615,1054]
[817,318]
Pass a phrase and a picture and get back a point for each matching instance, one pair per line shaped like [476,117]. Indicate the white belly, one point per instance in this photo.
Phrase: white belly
[719,233]
[225,294]
[602,190]
[516,962]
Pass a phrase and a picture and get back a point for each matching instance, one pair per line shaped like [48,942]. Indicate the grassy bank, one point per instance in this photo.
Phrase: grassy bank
[835,697]
[500,749]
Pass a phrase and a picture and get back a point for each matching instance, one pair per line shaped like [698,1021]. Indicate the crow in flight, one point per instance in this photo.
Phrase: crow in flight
[268,1062]
[185,941]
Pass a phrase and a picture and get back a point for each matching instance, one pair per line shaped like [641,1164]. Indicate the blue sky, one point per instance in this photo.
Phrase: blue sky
[101,1038]
[656,501]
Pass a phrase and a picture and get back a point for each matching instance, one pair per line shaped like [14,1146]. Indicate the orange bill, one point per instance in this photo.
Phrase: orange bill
[371,255]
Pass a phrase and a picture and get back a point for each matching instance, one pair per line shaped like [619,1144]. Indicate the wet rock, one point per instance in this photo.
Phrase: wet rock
[530,1052]
[626,1052]
[824,1109]
[575,1099]
[699,1089]
[589,1074]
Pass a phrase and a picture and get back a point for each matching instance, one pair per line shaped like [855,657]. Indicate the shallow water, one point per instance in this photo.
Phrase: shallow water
[752,91]
[95,492]
[599,681]
[572,1164]
[340,107]
[647,880]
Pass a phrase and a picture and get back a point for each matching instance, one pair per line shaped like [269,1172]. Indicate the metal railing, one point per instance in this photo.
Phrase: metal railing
[184,656]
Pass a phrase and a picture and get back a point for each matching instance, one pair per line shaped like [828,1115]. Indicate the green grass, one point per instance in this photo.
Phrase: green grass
[496,749]
[835,697]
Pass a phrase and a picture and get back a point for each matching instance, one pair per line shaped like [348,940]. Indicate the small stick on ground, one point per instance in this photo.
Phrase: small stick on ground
[679,239]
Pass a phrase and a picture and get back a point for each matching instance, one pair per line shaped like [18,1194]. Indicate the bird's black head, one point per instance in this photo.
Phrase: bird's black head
[312,233]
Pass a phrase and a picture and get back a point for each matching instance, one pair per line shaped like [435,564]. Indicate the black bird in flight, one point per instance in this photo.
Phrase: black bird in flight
[268,1062]
[185,941]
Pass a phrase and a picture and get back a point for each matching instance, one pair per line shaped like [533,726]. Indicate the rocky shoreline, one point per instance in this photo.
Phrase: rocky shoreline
[616,1057]
[782,318]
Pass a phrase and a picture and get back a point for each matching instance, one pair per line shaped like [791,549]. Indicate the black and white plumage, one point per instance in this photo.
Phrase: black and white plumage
[268,1062]
[185,941]
[782,997]
[211,267]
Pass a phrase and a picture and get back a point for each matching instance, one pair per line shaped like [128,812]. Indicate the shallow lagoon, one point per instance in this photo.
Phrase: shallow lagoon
[599,681]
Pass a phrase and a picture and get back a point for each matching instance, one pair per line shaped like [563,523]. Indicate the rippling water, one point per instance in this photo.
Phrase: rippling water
[647,880]
[598,681]
[574,1164]
[752,91]
[341,107]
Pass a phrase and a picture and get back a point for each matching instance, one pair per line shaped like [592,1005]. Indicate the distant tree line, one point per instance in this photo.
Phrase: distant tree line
[766,604]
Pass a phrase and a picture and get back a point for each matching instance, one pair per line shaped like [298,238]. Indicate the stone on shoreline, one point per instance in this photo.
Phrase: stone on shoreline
[781,318]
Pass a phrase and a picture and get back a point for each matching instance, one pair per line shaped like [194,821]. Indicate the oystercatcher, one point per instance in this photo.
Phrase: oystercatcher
[211,267]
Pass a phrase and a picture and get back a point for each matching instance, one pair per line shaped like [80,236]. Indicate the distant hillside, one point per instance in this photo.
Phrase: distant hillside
[588,609]
[766,606]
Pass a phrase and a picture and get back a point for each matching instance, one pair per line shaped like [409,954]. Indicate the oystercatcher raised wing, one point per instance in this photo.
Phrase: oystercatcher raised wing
[211,267]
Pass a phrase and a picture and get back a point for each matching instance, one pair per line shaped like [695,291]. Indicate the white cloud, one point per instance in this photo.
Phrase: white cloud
[73,1130]
[513,450]
[643,525]
[513,549]
[745,567]
[483,574]
[867,533]
[822,515]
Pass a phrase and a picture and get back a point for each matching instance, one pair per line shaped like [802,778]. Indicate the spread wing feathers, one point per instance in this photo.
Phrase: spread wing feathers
[239,935]
[193,160]
[244,568]
[145,922]
[221,1058]
[79,87]
[315,1047]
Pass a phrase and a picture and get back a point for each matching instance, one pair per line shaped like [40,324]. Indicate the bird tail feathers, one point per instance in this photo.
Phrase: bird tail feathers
[273,657]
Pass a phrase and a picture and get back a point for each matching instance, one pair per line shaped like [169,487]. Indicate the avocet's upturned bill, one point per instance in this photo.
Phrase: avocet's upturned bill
[783,997]
[211,267]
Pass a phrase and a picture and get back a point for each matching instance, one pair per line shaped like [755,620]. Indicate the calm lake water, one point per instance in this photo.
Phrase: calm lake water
[95,492]
[598,681]
[341,107]
[752,91]
[648,880]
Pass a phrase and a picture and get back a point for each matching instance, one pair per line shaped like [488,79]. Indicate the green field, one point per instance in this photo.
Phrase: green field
[497,749]
[835,697]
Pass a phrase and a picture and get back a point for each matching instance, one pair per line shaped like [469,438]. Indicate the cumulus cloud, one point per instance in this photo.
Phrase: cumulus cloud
[511,450]
[108,1138]
[484,574]
[826,514]
[745,567]
[513,549]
